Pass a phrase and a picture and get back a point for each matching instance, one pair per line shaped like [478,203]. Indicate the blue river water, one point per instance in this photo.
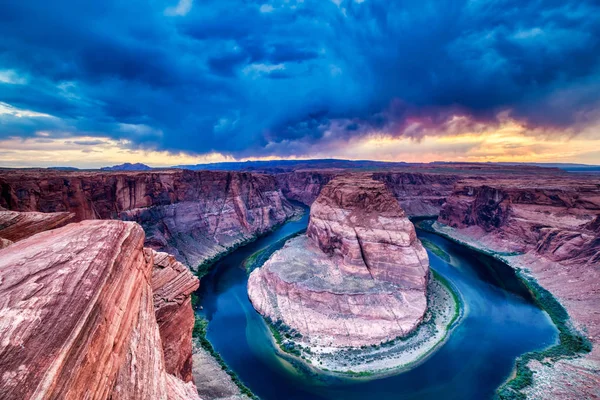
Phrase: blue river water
[500,323]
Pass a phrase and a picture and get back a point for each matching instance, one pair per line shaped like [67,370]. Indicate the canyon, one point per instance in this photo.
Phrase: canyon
[357,278]
[543,222]
[194,215]
[548,229]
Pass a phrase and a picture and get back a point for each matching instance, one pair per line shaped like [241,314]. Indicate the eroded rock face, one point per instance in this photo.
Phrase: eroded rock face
[304,186]
[357,278]
[419,194]
[77,317]
[551,228]
[15,226]
[195,215]
[172,285]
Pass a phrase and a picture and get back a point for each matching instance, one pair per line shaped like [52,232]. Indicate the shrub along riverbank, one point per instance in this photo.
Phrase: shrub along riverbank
[571,342]
[199,334]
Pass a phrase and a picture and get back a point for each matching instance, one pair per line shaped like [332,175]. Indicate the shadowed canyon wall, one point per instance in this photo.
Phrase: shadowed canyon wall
[194,215]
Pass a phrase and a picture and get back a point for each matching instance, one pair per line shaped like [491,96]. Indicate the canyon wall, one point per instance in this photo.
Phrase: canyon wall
[548,228]
[359,275]
[194,215]
[77,317]
[172,287]
[419,194]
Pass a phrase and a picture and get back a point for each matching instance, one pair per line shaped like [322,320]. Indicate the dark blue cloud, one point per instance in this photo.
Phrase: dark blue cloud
[252,78]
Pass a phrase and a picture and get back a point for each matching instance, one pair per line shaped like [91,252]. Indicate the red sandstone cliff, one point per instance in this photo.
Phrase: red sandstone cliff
[172,286]
[77,317]
[195,215]
[552,228]
[357,278]
[15,226]
[419,194]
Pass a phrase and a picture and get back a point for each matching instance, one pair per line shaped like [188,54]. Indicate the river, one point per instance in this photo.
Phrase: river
[500,323]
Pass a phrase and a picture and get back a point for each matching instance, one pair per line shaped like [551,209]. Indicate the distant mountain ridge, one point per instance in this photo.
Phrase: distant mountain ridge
[287,165]
[277,166]
[127,167]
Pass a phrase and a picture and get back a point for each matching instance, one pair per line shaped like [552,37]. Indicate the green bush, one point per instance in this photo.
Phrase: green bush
[199,334]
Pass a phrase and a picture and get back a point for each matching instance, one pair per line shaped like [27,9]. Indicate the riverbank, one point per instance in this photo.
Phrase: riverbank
[216,380]
[204,267]
[369,362]
[534,370]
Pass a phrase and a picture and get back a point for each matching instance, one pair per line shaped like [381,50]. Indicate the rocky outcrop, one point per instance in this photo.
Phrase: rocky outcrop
[77,317]
[172,285]
[357,278]
[15,226]
[549,228]
[195,215]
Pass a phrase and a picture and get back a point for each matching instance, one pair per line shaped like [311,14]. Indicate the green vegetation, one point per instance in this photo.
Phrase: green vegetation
[195,300]
[361,374]
[571,343]
[199,333]
[453,292]
[435,249]
[283,336]
[205,267]
[258,258]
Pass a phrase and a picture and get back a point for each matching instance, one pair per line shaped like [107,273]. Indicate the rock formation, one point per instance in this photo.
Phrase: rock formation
[194,215]
[357,278]
[419,194]
[172,285]
[304,186]
[15,226]
[77,317]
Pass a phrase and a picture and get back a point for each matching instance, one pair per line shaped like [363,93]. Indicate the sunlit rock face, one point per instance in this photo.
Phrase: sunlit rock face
[194,215]
[359,275]
[77,318]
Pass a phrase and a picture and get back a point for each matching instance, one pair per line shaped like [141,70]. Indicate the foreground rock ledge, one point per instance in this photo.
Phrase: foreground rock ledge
[77,317]
[358,277]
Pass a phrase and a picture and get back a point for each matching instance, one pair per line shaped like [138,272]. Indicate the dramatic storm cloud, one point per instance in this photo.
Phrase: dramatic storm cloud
[279,78]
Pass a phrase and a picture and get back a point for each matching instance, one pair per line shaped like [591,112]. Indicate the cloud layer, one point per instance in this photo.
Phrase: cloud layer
[282,78]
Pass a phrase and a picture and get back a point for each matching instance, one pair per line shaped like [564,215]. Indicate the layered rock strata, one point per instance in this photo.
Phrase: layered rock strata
[172,286]
[77,317]
[15,226]
[195,215]
[420,194]
[357,278]
[548,228]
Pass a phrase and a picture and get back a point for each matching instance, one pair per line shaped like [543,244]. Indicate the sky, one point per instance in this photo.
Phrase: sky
[164,82]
